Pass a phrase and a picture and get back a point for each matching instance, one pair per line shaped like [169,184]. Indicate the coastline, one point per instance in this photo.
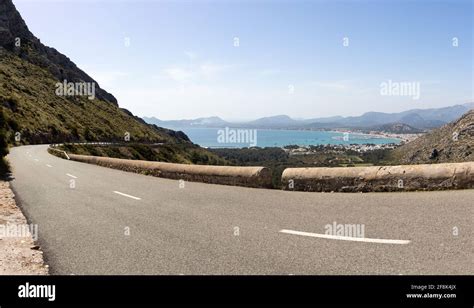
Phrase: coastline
[402,137]
[207,137]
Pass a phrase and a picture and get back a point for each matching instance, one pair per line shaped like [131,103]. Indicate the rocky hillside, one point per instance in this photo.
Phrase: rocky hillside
[396,128]
[14,32]
[36,113]
[454,142]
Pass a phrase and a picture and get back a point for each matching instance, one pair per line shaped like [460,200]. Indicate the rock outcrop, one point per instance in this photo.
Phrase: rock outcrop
[454,142]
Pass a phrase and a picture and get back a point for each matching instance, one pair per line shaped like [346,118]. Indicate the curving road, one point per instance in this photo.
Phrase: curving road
[95,220]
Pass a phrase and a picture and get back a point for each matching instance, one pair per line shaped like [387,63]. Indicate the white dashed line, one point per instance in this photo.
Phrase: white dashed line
[48,165]
[346,238]
[125,195]
[73,176]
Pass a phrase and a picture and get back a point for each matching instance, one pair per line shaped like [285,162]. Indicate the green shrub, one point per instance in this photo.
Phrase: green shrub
[3,143]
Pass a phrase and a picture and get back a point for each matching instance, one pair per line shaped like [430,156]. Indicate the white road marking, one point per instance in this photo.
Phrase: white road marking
[36,159]
[48,165]
[73,176]
[125,195]
[347,238]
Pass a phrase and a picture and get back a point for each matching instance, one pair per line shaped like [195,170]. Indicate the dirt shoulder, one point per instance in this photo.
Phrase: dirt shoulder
[19,254]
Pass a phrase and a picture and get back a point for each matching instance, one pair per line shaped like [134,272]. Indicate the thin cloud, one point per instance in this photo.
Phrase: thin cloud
[191,55]
[195,73]
[269,72]
[178,74]
[336,85]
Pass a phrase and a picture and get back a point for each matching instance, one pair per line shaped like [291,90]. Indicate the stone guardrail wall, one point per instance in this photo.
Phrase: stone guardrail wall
[381,178]
[56,152]
[226,175]
[339,179]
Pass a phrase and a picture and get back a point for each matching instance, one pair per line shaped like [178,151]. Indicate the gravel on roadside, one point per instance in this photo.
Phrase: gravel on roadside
[19,255]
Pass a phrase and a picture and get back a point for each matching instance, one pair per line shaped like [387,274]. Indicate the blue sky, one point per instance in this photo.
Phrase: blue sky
[181,61]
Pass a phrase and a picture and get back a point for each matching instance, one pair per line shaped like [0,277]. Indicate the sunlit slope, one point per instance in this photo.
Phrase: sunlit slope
[454,142]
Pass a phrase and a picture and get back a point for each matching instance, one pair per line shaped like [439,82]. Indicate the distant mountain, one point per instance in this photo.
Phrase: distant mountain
[200,122]
[278,121]
[454,142]
[417,118]
[413,120]
[334,119]
[396,128]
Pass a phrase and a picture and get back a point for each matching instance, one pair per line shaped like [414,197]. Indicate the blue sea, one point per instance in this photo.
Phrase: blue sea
[219,138]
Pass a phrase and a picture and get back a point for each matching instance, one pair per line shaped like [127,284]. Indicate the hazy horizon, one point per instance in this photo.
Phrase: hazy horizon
[302,59]
[294,118]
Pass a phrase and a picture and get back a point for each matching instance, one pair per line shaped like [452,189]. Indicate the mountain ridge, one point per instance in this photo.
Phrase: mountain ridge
[418,119]
[453,142]
[35,113]
[14,32]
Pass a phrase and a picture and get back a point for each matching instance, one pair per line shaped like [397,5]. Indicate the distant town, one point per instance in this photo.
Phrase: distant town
[360,148]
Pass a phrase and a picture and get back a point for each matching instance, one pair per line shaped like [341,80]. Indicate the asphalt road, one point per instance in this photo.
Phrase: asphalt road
[95,220]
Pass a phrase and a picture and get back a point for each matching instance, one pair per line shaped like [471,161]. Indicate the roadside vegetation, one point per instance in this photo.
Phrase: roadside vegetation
[171,153]
[277,159]
[451,143]
[4,167]
[27,93]
[32,113]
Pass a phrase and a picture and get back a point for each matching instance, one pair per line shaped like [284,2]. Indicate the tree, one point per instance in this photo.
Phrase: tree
[3,135]
[434,154]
